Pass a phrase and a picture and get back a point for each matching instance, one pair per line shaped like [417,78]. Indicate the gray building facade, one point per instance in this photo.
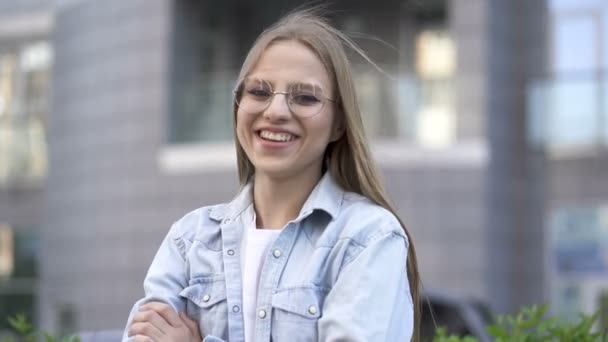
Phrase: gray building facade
[137,138]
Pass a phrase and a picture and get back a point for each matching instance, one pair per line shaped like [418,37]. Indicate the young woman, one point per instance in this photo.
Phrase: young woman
[310,249]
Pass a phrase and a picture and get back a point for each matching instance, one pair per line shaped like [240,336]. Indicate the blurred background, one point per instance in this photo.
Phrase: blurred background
[492,136]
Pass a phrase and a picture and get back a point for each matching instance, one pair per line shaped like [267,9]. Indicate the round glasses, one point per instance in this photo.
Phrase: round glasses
[254,95]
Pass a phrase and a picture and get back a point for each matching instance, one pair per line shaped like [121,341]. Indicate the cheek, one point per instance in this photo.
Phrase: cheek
[325,126]
[241,127]
[320,131]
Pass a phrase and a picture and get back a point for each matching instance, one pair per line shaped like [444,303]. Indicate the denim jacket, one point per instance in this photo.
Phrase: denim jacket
[335,273]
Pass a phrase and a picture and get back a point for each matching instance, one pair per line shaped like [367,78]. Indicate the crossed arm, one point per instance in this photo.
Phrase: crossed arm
[383,312]
[158,322]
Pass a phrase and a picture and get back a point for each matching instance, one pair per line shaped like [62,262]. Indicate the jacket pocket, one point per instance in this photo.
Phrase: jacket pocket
[296,311]
[206,303]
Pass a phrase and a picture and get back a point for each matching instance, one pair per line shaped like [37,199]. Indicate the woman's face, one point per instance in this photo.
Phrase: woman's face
[281,139]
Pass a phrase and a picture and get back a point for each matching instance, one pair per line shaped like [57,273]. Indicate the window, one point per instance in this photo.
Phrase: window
[18,273]
[435,65]
[24,94]
[568,109]
[414,103]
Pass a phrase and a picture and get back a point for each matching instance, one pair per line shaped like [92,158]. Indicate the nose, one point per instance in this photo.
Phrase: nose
[278,108]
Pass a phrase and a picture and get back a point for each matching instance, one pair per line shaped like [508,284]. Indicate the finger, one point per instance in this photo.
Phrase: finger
[142,338]
[165,311]
[153,318]
[145,329]
[192,325]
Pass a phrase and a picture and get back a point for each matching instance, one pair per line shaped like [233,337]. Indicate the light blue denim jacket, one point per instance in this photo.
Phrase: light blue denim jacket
[335,273]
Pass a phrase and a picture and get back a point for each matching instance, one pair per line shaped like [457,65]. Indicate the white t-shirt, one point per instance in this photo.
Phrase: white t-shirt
[254,246]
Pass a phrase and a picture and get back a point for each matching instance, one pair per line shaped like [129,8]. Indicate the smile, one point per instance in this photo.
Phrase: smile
[276,136]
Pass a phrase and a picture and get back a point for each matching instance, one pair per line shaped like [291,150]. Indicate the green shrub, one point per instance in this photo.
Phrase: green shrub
[530,325]
[27,332]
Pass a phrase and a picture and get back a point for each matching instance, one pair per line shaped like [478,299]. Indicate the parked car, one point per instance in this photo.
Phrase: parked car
[459,315]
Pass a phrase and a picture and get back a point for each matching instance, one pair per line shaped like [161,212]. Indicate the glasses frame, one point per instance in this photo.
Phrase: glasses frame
[287,95]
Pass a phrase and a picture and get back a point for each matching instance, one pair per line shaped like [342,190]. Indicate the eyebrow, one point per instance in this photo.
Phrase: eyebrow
[290,85]
[305,85]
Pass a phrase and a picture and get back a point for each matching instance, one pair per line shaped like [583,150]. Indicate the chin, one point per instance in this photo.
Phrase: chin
[285,168]
[274,170]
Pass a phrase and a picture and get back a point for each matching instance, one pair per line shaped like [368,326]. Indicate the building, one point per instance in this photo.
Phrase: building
[138,133]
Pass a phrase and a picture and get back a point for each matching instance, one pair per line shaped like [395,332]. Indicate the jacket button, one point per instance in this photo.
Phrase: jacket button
[312,310]
[206,298]
[277,253]
[236,309]
[262,314]
[230,252]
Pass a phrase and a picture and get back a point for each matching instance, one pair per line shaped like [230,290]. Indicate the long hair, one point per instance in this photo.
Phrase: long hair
[348,159]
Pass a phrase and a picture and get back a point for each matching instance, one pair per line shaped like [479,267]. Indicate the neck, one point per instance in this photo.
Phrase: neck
[279,200]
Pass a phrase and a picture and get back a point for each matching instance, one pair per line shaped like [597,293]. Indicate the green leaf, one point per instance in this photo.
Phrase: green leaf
[20,324]
[587,322]
[73,338]
[48,337]
[497,331]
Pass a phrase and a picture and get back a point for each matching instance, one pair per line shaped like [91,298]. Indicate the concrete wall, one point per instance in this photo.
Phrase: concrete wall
[578,180]
[109,107]
[23,7]
[517,53]
[440,205]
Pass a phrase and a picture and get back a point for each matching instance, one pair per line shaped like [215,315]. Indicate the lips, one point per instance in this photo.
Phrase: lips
[276,136]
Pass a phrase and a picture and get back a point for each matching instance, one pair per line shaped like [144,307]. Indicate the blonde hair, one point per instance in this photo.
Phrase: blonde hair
[348,159]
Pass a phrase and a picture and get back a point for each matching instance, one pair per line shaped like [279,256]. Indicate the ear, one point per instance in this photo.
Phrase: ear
[338,128]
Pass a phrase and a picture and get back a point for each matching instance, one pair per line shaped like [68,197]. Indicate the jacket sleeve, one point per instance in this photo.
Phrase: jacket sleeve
[166,276]
[371,300]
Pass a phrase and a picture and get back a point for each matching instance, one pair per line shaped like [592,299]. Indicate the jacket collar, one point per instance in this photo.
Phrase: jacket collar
[326,196]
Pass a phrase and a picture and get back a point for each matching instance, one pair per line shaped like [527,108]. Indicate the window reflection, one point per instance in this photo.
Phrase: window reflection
[412,101]
[24,94]
[567,108]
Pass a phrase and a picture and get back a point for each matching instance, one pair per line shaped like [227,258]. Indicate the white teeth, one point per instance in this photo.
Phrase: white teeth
[274,136]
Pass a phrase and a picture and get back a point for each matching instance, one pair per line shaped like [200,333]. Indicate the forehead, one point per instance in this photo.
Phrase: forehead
[288,62]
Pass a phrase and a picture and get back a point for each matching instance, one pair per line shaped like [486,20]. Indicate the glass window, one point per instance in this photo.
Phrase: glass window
[568,109]
[567,112]
[575,42]
[24,105]
[435,65]
[210,41]
[411,100]
[575,112]
[18,274]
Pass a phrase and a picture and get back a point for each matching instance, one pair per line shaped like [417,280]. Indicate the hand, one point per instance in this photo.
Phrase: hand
[158,322]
